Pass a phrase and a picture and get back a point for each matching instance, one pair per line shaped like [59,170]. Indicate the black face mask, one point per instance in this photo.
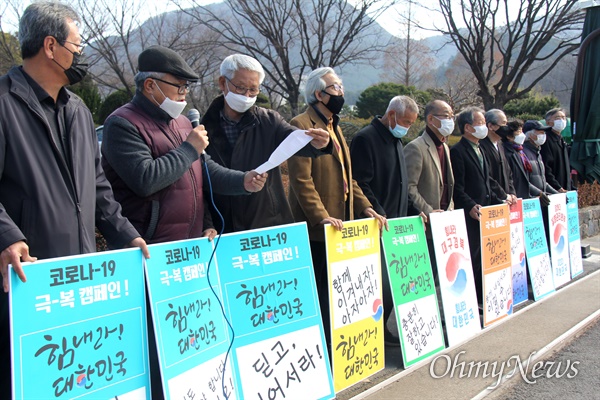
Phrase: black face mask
[504,131]
[77,71]
[335,103]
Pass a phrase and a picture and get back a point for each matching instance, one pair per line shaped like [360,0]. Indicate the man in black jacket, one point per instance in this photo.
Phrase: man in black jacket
[494,153]
[379,168]
[242,137]
[555,153]
[472,188]
[52,188]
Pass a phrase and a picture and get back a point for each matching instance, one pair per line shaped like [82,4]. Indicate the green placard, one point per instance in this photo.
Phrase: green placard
[413,289]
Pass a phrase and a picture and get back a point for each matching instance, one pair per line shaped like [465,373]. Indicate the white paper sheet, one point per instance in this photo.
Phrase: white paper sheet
[290,146]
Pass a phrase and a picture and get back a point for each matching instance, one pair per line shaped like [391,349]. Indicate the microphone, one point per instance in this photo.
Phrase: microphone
[194,117]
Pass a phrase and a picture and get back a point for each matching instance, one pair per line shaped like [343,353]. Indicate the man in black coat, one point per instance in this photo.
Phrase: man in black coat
[555,153]
[494,153]
[472,188]
[379,168]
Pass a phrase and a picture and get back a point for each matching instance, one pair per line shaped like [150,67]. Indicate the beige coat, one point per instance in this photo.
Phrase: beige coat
[317,185]
[425,184]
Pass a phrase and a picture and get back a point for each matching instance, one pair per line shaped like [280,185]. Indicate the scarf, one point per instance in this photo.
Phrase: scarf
[524,159]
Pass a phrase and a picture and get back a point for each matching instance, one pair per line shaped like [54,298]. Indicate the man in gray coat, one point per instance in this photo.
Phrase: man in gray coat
[429,170]
[53,191]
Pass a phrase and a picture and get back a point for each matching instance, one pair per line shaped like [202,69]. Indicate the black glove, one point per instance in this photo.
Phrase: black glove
[544,200]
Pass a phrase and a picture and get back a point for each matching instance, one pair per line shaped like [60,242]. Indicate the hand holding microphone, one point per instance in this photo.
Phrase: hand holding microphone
[198,137]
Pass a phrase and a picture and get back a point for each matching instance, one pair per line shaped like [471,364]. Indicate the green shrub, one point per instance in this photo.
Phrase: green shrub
[533,104]
[111,103]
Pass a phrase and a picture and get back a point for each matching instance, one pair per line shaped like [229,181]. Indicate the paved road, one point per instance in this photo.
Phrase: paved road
[581,355]
[534,327]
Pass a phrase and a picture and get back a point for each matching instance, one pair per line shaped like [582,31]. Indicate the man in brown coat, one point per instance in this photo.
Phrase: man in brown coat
[322,190]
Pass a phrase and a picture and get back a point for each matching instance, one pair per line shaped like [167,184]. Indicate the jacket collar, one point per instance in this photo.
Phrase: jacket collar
[383,130]
[315,113]
[25,86]
[531,146]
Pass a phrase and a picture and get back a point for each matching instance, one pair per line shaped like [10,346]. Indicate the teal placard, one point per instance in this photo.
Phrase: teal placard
[79,328]
[270,297]
[191,332]
[536,248]
[413,288]
[574,234]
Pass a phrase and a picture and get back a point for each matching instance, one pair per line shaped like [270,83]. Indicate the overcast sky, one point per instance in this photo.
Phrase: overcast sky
[389,20]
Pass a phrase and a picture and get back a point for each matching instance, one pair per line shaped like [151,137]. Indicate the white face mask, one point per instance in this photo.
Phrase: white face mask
[559,125]
[481,131]
[171,107]
[239,102]
[541,139]
[520,139]
[447,126]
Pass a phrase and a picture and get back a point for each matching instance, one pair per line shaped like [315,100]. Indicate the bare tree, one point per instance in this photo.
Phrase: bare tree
[292,37]
[406,60]
[10,52]
[504,40]
[111,32]
[116,33]
[458,86]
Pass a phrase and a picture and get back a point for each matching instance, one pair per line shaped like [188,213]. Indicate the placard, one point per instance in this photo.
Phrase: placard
[574,234]
[413,289]
[78,328]
[191,332]
[536,249]
[559,239]
[271,301]
[455,271]
[517,252]
[355,300]
[496,263]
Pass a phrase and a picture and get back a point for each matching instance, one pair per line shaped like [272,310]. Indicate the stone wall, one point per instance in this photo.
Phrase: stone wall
[589,221]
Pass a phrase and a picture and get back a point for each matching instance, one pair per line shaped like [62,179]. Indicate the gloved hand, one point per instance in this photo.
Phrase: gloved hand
[544,200]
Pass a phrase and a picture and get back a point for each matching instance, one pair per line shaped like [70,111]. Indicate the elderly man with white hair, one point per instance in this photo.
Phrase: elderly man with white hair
[322,190]
[242,137]
[379,167]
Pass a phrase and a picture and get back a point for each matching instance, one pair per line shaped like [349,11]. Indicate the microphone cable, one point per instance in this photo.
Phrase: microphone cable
[217,240]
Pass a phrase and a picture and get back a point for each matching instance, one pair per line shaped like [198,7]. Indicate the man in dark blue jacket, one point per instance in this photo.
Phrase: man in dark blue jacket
[53,191]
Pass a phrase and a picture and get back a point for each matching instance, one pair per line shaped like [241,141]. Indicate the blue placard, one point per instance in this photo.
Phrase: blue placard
[270,297]
[78,328]
[536,248]
[191,333]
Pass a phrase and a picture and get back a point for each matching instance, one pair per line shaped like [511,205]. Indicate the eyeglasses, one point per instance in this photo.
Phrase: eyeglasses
[80,47]
[242,90]
[335,86]
[181,89]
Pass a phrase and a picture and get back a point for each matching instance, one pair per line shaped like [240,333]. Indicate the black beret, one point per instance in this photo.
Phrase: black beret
[162,59]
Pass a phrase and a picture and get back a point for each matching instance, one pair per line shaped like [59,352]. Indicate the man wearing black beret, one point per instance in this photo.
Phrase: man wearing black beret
[151,156]
[151,153]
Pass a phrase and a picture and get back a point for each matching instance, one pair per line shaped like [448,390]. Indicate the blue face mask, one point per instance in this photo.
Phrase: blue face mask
[398,131]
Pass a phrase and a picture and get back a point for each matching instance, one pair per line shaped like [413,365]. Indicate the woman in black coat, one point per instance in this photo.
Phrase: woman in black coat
[512,140]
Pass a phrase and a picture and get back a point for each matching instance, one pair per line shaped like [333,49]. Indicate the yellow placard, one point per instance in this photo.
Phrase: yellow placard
[355,301]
